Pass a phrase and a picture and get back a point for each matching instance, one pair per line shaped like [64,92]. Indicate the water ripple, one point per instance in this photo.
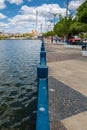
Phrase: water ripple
[18,84]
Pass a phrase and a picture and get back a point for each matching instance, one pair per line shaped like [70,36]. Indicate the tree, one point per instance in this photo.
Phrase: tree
[82,13]
[63,27]
[77,27]
[71,26]
[50,33]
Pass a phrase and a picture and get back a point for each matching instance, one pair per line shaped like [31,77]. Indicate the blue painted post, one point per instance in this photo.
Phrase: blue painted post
[43,57]
[42,43]
[42,48]
[42,113]
[42,71]
[42,122]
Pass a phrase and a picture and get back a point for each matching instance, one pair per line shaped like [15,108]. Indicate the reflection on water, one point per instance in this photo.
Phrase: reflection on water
[18,86]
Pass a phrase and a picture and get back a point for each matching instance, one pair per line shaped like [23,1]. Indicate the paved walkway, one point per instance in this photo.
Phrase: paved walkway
[67,88]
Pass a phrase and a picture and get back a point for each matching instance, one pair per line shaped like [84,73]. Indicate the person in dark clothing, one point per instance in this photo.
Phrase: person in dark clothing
[51,39]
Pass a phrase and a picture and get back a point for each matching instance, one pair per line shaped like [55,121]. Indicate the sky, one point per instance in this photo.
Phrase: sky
[19,16]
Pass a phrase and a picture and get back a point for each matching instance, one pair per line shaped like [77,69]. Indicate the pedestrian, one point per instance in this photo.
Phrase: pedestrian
[56,38]
[51,39]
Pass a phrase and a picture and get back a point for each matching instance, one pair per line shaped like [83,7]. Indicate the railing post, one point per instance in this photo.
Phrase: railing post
[43,57]
[42,46]
[42,122]
[42,71]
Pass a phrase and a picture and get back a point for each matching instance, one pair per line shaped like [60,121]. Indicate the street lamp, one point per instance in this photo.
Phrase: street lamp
[51,24]
[54,16]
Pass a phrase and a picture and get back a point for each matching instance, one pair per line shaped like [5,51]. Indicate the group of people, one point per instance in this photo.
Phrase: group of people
[55,39]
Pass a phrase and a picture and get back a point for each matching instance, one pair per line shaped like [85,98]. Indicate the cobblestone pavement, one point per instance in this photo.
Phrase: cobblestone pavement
[67,101]
[57,125]
[64,100]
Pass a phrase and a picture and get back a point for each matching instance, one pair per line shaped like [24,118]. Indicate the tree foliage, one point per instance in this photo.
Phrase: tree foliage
[82,13]
[70,25]
[78,27]
[50,33]
[3,37]
[63,27]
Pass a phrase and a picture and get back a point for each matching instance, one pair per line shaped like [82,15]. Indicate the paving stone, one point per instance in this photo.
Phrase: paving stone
[65,101]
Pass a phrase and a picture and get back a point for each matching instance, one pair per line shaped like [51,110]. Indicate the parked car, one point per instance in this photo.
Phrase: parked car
[75,40]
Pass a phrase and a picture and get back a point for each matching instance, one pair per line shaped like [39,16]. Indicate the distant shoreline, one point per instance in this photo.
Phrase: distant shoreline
[19,39]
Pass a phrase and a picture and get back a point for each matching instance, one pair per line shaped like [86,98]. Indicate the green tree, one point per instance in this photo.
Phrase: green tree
[50,33]
[71,26]
[62,28]
[78,27]
[82,12]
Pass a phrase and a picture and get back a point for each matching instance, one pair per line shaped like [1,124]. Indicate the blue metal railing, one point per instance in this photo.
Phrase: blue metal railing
[42,122]
[43,57]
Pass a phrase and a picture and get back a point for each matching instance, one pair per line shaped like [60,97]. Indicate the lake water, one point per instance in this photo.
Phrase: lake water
[18,84]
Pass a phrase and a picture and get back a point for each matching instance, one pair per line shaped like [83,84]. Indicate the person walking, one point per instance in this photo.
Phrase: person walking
[52,40]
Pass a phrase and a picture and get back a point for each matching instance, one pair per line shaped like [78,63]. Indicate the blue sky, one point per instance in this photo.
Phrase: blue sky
[20,15]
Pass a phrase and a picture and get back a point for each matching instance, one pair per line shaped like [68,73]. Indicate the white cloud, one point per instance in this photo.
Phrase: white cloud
[3,25]
[21,18]
[2,16]
[27,10]
[26,20]
[43,10]
[74,4]
[52,8]
[17,2]
[2,4]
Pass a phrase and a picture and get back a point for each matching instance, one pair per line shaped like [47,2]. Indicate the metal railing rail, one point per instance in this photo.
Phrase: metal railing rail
[42,121]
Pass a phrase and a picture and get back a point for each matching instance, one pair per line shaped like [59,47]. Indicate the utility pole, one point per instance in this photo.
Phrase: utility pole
[67,5]
[48,28]
[36,20]
[41,28]
[45,25]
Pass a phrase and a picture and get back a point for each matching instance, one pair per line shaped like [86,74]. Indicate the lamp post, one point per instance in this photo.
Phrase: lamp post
[54,16]
[51,24]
